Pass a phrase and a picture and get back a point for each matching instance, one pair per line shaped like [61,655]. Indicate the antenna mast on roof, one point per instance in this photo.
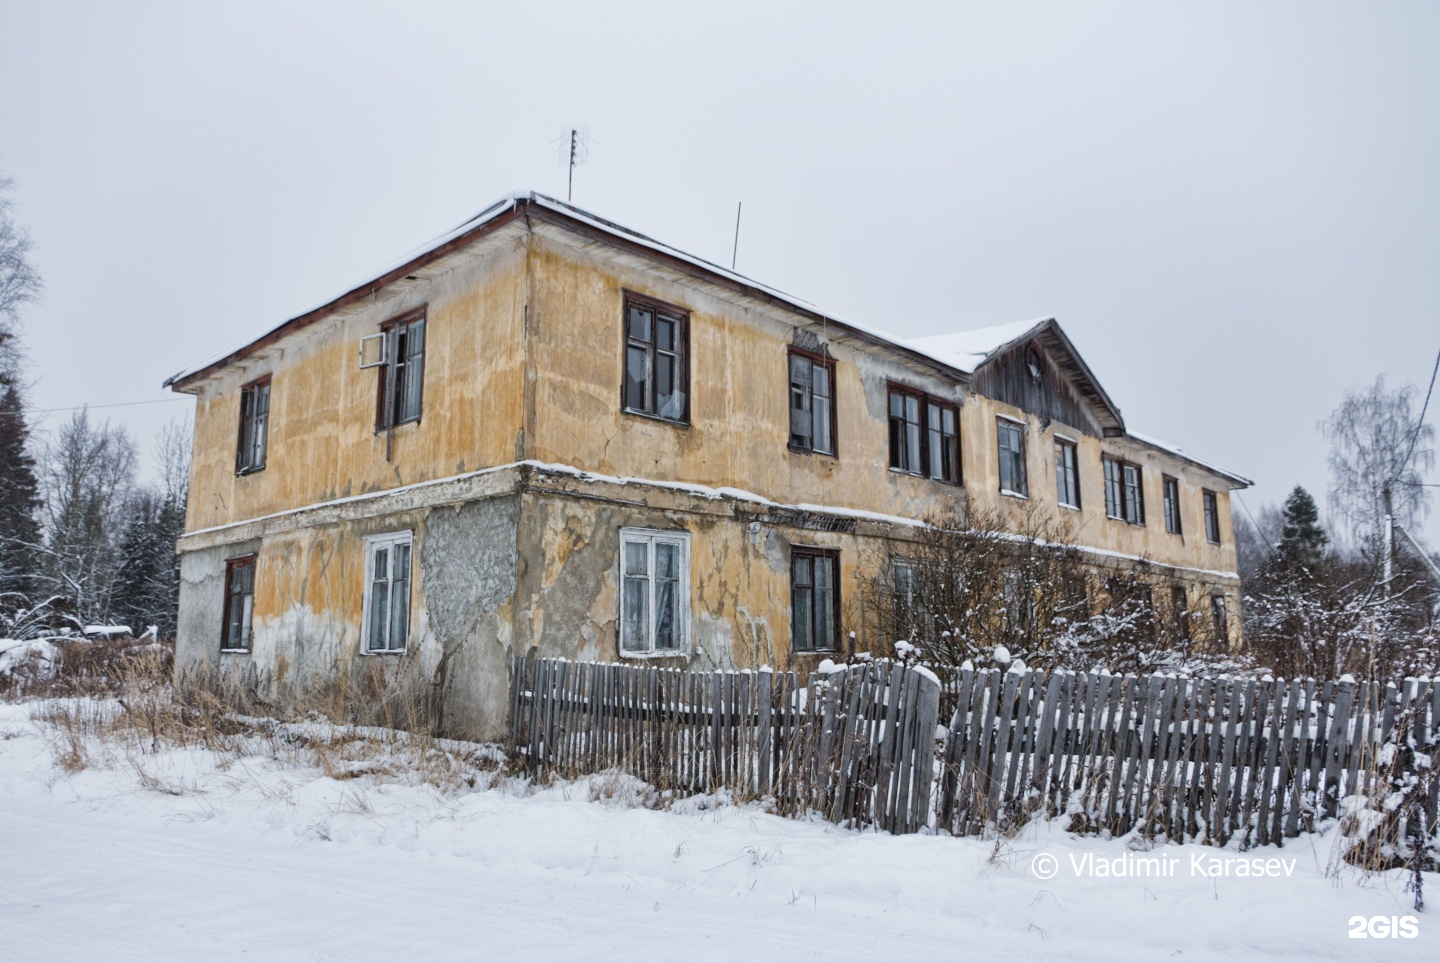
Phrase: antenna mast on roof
[574,150]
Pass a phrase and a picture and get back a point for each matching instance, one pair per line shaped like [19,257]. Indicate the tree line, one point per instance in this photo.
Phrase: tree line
[82,540]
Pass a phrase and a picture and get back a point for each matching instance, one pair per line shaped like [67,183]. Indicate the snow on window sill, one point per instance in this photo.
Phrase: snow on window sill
[1073,508]
[1019,495]
[235,651]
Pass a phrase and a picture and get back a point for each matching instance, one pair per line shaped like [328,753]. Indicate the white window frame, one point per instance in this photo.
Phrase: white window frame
[388,540]
[650,537]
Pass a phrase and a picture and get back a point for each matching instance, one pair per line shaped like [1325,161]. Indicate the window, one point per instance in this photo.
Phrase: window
[387,592]
[1067,474]
[812,405]
[814,600]
[1222,623]
[239,603]
[1212,517]
[1180,611]
[655,592]
[1124,494]
[402,370]
[1011,441]
[657,377]
[1172,504]
[254,426]
[924,436]
[902,586]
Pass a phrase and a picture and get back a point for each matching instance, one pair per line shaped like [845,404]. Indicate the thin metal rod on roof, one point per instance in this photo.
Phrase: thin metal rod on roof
[734,251]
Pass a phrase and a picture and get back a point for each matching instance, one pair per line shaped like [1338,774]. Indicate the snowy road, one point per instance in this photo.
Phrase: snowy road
[260,863]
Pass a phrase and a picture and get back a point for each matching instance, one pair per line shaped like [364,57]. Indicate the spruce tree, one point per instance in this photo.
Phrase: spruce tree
[19,500]
[1302,540]
[147,582]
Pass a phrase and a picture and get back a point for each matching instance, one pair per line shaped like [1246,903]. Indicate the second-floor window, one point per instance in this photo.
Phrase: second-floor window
[1172,504]
[1124,494]
[254,426]
[403,371]
[657,375]
[812,403]
[1010,439]
[1212,516]
[924,436]
[1067,474]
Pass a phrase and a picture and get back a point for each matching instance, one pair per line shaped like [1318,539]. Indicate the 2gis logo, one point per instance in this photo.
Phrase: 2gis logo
[1383,927]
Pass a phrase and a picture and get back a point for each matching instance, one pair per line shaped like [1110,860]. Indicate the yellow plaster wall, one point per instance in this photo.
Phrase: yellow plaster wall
[322,438]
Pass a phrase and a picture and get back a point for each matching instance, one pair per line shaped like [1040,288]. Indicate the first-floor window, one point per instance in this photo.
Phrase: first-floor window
[902,583]
[1212,517]
[1010,438]
[239,603]
[1180,610]
[655,591]
[1067,474]
[814,600]
[387,592]
[1222,623]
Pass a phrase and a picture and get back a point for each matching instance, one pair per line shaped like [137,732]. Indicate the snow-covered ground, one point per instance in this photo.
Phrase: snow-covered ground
[255,860]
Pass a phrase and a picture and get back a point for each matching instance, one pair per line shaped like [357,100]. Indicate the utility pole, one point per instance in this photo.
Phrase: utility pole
[1389,547]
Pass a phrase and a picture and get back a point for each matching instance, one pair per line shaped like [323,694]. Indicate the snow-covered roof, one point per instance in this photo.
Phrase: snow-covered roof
[967,350]
[1241,480]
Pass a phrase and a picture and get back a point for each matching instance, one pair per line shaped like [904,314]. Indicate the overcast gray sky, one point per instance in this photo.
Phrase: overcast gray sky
[1233,208]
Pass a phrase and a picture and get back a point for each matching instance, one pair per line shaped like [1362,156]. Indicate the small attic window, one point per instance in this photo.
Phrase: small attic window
[1032,363]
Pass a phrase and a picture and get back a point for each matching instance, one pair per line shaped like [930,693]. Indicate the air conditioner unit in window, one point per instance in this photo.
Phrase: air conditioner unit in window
[374,350]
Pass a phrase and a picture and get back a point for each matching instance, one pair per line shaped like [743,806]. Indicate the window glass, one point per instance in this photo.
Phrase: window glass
[239,603]
[387,593]
[403,373]
[814,600]
[655,367]
[1067,475]
[1012,458]
[254,427]
[655,591]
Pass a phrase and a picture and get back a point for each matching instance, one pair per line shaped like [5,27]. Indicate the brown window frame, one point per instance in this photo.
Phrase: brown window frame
[231,564]
[925,403]
[389,389]
[1170,498]
[1210,501]
[832,557]
[815,361]
[1117,491]
[245,444]
[652,349]
[1068,472]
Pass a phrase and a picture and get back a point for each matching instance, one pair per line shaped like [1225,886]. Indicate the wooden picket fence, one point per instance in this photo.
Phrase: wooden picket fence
[1180,758]
[856,744]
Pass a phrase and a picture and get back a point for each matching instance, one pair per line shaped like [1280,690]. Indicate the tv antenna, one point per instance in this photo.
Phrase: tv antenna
[572,150]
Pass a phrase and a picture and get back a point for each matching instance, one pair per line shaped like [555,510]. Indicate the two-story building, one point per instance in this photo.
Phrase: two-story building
[549,431]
